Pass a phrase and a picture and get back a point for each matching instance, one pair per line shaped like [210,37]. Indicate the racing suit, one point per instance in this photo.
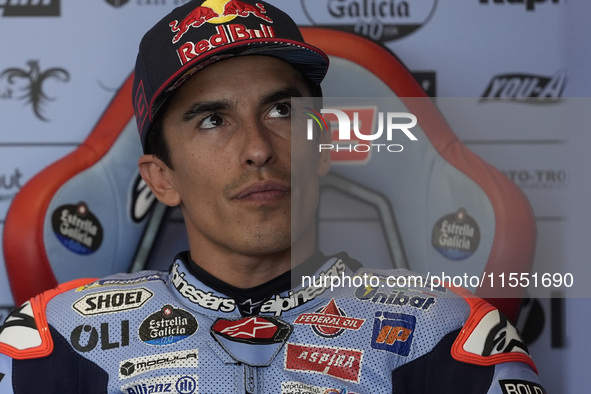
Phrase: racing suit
[175,332]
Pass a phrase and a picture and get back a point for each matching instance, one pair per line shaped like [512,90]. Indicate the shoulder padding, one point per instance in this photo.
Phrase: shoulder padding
[25,333]
[488,338]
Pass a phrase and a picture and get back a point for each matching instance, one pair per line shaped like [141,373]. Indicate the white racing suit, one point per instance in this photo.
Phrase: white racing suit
[168,332]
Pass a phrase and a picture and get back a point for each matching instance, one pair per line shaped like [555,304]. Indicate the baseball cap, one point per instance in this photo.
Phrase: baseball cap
[203,32]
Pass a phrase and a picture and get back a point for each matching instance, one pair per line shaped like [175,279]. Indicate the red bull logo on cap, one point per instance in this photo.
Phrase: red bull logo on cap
[217,12]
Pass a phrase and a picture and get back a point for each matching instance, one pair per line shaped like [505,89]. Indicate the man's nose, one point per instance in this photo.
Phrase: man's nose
[257,148]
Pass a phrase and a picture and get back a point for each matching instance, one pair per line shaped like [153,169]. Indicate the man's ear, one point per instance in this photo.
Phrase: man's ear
[324,137]
[157,176]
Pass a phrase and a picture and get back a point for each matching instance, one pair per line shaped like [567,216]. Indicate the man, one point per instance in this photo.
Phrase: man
[212,99]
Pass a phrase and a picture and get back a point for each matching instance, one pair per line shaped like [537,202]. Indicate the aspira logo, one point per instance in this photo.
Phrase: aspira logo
[355,134]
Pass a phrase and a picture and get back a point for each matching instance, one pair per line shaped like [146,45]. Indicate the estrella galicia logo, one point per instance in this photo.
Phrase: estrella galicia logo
[381,21]
[30,7]
[528,88]
[456,236]
[167,326]
[33,79]
[393,332]
[77,228]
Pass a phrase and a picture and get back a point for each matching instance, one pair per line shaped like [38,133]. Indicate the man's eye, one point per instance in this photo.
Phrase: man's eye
[281,110]
[211,121]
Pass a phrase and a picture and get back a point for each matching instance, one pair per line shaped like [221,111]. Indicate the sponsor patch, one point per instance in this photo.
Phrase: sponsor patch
[199,297]
[396,297]
[294,299]
[340,363]
[515,386]
[139,365]
[254,330]
[456,236]
[303,388]
[85,338]
[176,384]
[329,321]
[112,301]
[167,326]
[393,332]
[77,228]
[119,282]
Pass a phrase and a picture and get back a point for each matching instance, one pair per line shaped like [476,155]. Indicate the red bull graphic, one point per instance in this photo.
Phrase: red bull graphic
[216,11]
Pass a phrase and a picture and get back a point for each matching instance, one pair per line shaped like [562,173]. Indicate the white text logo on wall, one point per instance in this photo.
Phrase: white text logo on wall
[10,184]
[27,84]
[525,87]
[379,20]
[17,8]
[357,132]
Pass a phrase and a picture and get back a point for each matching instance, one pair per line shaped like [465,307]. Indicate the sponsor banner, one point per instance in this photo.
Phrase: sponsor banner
[139,365]
[340,363]
[167,326]
[112,301]
[175,384]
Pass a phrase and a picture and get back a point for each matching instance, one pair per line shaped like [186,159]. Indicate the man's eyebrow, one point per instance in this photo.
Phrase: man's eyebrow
[205,107]
[280,94]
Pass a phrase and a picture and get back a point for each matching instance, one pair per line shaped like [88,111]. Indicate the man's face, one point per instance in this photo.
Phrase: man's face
[228,129]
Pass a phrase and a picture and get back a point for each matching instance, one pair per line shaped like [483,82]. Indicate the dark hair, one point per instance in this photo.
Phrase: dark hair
[155,143]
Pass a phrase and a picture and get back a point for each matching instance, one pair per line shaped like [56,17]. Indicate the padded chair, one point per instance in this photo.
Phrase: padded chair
[437,208]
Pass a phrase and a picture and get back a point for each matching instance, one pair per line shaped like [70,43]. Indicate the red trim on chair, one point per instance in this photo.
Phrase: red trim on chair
[27,265]
[514,242]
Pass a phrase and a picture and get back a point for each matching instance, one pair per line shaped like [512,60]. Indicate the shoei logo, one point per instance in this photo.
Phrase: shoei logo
[216,11]
[354,141]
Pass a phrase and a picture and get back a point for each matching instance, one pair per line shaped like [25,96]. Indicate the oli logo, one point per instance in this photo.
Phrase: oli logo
[353,141]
